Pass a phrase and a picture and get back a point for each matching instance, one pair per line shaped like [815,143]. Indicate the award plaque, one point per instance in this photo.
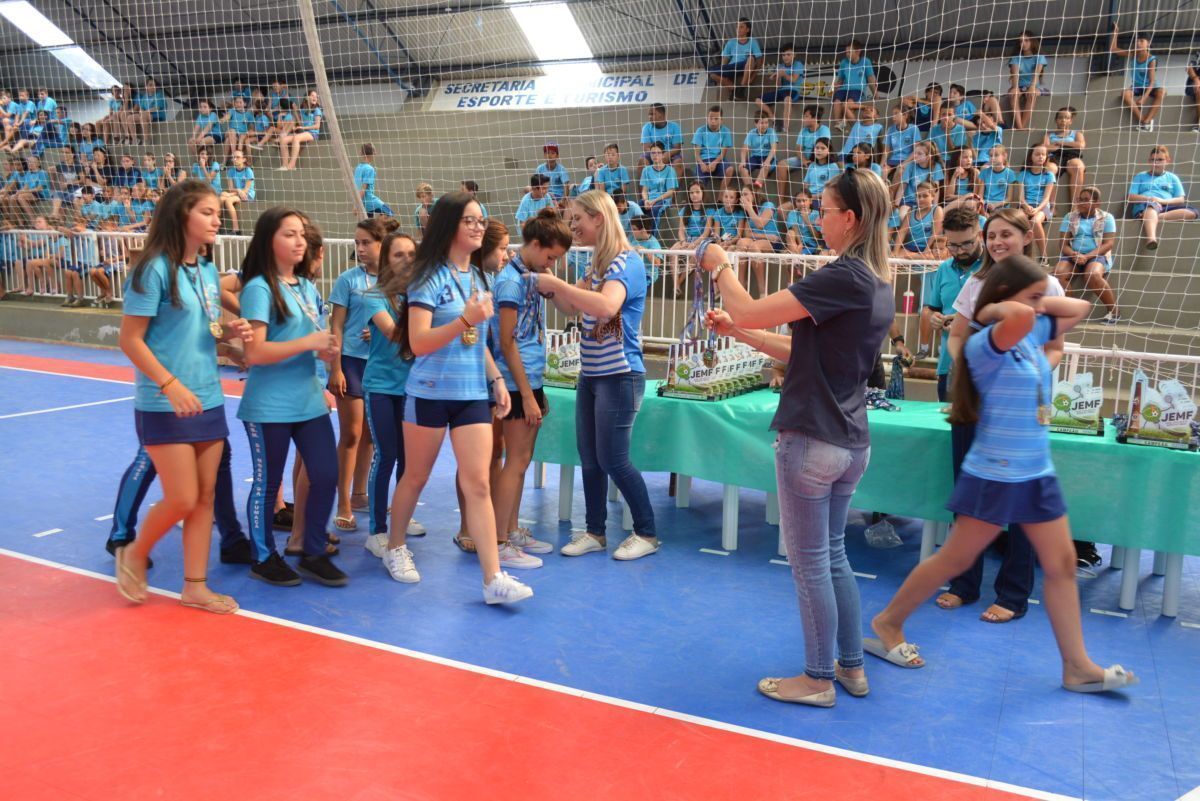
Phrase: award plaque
[1160,416]
[1076,406]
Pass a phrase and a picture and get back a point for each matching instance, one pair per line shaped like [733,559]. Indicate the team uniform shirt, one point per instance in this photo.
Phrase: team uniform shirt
[694,220]
[631,210]
[46,104]
[984,142]
[140,209]
[611,178]
[657,182]
[125,177]
[1066,141]
[87,251]
[790,78]
[530,206]
[178,336]
[559,178]
[348,292]
[240,120]
[759,144]
[211,118]
[386,372]
[772,226]
[737,52]
[1085,237]
[36,181]
[806,140]
[1139,73]
[289,391]
[915,174]
[455,371]
[615,346]
[670,136]
[364,177]
[861,133]
[954,139]
[276,100]
[152,178]
[242,178]
[854,76]
[920,230]
[516,288]
[262,123]
[900,142]
[1026,67]
[940,289]
[728,221]
[818,175]
[996,184]
[1010,444]
[965,110]
[1036,185]
[311,118]
[156,104]
[711,142]
[95,211]
[1160,187]
[795,221]
[875,168]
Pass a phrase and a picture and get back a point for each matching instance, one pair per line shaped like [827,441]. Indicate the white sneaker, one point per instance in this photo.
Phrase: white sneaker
[523,539]
[504,589]
[635,547]
[399,562]
[512,556]
[1148,127]
[1110,319]
[415,529]
[580,544]
[376,545]
[1196,129]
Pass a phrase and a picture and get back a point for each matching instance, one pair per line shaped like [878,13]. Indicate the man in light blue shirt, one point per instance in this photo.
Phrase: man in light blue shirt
[740,59]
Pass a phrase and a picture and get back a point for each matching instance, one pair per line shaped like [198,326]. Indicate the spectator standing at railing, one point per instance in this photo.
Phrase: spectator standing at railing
[839,314]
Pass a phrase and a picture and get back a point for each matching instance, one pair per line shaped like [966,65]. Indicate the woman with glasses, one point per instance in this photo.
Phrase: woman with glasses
[838,315]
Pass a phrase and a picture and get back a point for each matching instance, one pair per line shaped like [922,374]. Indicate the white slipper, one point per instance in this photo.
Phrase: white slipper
[900,656]
[1115,678]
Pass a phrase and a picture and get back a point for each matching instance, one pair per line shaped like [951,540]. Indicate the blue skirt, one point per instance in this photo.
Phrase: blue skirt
[353,368]
[1038,500]
[166,428]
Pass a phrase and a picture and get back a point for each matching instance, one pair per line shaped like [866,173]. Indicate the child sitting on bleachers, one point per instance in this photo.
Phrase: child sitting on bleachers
[949,135]
[788,79]
[964,109]
[613,177]
[307,129]
[926,166]
[1065,147]
[590,167]
[712,142]
[660,129]
[35,187]
[657,184]
[759,151]
[84,261]
[921,227]
[694,222]
[821,170]
[141,206]
[898,141]
[1035,194]
[89,142]
[239,180]
[928,111]
[645,240]
[626,211]
[41,257]
[740,59]
[1157,194]
[728,218]
[759,234]
[988,135]
[560,179]
[963,184]
[537,198]
[126,174]
[997,180]
[1088,236]
[1145,94]
[853,85]
[862,157]
[1026,70]
[472,188]
[206,169]
[264,128]
[207,129]
[239,122]
[867,130]
[151,105]
[804,226]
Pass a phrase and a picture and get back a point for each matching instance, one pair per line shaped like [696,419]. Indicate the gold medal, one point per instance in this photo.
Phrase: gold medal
[470,336]
[215,329]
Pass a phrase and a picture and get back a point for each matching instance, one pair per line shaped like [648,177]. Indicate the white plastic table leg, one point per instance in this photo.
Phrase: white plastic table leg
[928,538]
[539,475]
[1129,578]
[729,518]
[612,490]
[626,515]
[1160,563]
[782,545]
[566,490]
[772,509]
[1117,560]
[683,491]
[1174,577]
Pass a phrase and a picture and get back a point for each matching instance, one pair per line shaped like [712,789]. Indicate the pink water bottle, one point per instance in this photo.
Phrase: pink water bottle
[910,300]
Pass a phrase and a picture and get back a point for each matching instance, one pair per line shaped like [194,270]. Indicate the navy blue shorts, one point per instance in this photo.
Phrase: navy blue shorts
[218,137]
[754,164]
[853,95]
[1138,92]
[718,171]
[429,413]
[1190,91]
[728,70]
[778,95]
[166,428]
[1038,500]
[518,405]
[352,368]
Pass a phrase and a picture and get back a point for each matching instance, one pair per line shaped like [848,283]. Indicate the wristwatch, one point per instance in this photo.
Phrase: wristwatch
[722,267]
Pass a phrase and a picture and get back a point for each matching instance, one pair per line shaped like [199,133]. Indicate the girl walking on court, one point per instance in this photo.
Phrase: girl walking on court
[170,331]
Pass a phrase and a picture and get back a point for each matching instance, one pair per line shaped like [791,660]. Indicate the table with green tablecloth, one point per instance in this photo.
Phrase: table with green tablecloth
[1132,497]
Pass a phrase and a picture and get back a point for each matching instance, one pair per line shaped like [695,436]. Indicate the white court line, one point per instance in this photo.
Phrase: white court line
[86,377]
[714,552]
[1194,795]
[47,532]
[64,408]
[1107,612]
[783,562]
[103,517]
[871,759]
[866,575]
[1189,625]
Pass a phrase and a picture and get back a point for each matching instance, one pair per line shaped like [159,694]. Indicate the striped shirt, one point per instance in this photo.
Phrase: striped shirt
[1010,445]
[455,371]
[615,346]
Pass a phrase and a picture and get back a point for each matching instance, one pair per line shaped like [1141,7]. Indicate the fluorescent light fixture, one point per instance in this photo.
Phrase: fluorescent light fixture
[34,24]
[551,31]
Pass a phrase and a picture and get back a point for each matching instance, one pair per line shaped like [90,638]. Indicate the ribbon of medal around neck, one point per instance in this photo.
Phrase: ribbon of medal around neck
[201,289]
[471,335]
[1044,411]
[529,318]
[693,329]
[308,308]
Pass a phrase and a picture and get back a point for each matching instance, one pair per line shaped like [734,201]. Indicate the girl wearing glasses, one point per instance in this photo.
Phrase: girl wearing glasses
[839,315]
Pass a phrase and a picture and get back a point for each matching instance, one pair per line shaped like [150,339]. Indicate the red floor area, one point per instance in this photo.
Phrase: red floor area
[103,701]
[78,369]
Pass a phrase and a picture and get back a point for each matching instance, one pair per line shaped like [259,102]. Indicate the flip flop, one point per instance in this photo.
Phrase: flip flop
[1115,678]
[357,505]
[126,577]
[953,604]
[465,544]
[346,523]
[770,688]
[998,621]
[900,656]
[218,605]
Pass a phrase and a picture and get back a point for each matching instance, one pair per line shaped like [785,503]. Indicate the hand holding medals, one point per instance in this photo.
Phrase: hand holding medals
[476,310]
[239,329]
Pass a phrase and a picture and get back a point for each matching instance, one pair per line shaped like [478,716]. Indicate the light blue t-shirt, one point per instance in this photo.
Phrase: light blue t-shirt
[530,206]
[795,221]
[241,178]
[1086,238]
[155,102]
[996,184]
[711,142]
[364,175]
[1010,445]
[1139,73]
[87,250]
[772,226]
[1026,67]
[920,229]
[290,391]
[737,52]
[262,122]
[984,142]
[853,76]
[729,221]
[806,140]
[900,142]
[178,336]
[860,133]
[1036,185]
[348,292]
[1161,187]
[956,138]
[615,346]
[48,105]
[631,210]
[559,178]
[214,167]
[670,136]
[694,220]
[152,178]
[658,181]
[940,289]
[456,371]
[915,174]
[515,289]
[240,120]
[210,118]
[612,178]
[312,118]
[965,110]
[36,181]
[790,77]
[141,208]
[818,175]
[759,144]
[386,372]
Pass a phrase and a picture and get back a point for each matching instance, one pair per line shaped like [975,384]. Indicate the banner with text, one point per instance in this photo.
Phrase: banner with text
[569,91]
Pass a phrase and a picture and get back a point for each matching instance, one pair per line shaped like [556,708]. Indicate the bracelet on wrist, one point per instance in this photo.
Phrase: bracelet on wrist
[462,318]
[163,386]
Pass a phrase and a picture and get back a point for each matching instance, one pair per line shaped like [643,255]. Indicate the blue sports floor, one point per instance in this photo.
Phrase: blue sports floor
[683,630]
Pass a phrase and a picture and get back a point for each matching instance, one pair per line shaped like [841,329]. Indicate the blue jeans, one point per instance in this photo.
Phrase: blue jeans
[605,409]
[816,480]
[385,418]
